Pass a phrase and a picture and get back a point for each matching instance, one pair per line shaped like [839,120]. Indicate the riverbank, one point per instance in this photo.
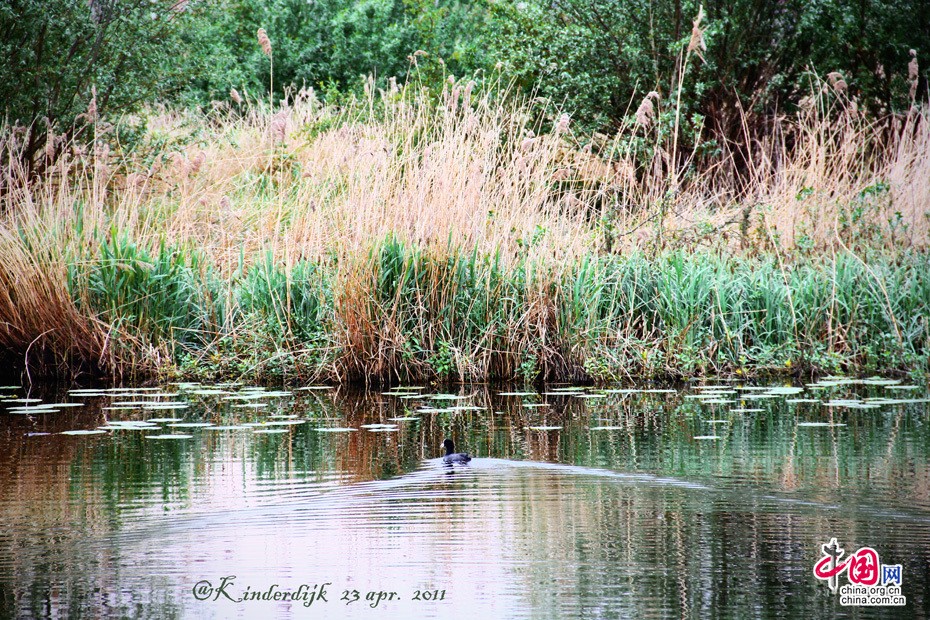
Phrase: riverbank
[400,238]
[407,314]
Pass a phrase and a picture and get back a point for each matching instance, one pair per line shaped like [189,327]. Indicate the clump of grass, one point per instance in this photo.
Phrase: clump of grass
[466,233]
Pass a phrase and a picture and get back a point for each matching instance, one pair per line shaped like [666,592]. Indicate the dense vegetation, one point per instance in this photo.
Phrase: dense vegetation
[597,58]
[406,190]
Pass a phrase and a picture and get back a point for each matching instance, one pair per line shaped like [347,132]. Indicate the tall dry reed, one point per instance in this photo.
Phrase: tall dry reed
[466,169]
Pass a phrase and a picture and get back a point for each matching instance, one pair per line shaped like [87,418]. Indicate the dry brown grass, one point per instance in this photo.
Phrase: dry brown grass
[469,169]
[310,179]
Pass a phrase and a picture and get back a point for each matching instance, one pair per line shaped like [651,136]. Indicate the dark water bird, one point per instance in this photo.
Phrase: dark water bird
[452,457]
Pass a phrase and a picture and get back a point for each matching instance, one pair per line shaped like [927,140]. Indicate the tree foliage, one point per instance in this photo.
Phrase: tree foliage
[598,58]
[602,56]
[59,55]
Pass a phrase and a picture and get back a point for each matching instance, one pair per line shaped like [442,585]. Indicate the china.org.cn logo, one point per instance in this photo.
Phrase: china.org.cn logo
[871,583]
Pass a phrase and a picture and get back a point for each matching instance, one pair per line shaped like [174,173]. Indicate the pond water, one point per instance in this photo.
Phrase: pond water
[228,501]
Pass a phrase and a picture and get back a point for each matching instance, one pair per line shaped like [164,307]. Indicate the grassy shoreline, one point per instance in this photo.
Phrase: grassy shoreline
[407,314]
[464,235]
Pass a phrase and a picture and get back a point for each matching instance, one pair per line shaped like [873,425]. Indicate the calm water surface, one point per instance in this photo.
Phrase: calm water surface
[696,500]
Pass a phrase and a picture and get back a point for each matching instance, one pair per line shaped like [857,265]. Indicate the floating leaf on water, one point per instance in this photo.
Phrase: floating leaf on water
[67,404]
[447,397]
[717,421]
[590,395]
[316,387]
[852,404]
[404,419]
[817,424]
[607,428]
[84,432]
[24,400]
[170,436]
[880,381]
[793,401]
[545,428]
[164,419]
[37,434]
[149,395]
[9,387]
[250,405]
[746,410]
[32,410]
[902,387]
[227,427]
[39,407]
[662,391]
[717,401]
[334,429]
[713,387]
[784,391]
[517,393]
[190,425]
[269,431]
[706,437]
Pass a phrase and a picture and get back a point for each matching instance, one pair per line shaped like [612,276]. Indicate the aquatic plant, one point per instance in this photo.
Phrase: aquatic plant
[416,233]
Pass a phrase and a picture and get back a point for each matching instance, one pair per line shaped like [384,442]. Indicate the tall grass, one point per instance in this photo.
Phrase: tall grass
[465,233]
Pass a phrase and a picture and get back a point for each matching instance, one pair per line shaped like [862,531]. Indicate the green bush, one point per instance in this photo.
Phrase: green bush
[58,53]
[601,57]
[329,44]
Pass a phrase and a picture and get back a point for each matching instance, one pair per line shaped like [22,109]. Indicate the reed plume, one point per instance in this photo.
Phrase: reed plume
[697,45]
